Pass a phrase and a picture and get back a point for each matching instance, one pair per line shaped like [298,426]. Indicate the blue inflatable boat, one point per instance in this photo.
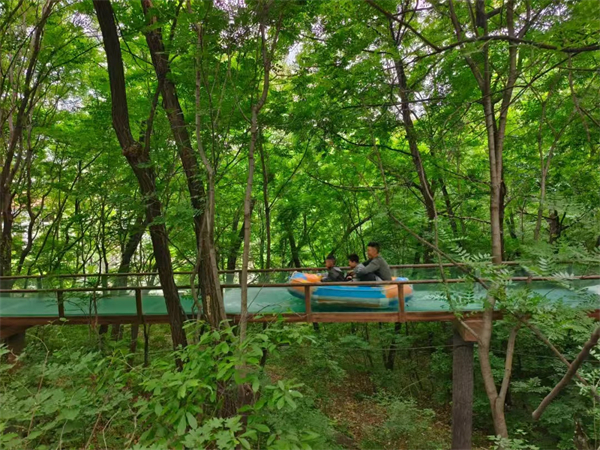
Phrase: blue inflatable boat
[369,297]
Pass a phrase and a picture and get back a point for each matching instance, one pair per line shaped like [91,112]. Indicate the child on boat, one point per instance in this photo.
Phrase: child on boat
[334,274]
[356,265]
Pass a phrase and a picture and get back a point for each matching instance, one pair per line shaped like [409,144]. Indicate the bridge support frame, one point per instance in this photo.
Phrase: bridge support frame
[14,338]
[462,387]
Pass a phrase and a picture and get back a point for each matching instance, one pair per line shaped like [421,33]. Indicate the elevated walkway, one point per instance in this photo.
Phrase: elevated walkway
[23,308]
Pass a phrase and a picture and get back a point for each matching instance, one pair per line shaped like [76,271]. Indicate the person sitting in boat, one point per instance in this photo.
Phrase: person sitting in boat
[334,274]
[376,264]
[355,265]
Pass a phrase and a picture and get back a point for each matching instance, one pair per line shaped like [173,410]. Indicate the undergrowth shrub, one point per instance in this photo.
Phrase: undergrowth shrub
[222,399]
[407,426]
[317,362]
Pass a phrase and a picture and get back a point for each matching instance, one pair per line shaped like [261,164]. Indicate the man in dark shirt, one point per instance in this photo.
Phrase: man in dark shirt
[376,264]
[333,273]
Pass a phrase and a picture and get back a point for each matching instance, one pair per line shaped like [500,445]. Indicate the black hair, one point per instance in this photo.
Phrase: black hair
[331,257]
[374,244]
[353,257]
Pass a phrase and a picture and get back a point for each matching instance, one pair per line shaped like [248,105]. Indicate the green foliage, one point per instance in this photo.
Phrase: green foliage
[221,399]
[61,399]
[512,443]
[407,423]
[333,162]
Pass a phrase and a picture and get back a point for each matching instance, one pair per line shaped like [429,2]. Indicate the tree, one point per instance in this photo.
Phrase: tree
[21,80]
[267,53]
[138,157]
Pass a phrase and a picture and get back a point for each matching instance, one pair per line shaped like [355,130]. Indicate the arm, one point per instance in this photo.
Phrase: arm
[372,267]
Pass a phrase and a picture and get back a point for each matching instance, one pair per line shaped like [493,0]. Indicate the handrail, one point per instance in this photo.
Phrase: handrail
[230,271]
[272,270]
[296,285]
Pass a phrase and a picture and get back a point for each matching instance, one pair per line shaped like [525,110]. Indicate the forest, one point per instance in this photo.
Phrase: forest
[170,168]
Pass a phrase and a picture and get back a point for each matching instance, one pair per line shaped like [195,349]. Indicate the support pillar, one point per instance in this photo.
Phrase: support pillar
[462,392]
[16,344]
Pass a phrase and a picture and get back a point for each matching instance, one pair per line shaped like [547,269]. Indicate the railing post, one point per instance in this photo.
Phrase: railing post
[61,303]
[307,304]
[401,304]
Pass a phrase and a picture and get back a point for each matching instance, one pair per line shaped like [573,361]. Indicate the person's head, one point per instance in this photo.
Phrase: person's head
[353,260]
[330,261]
[372,249]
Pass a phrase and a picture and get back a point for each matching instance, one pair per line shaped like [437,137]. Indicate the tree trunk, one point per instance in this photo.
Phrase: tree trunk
[33,217]
[449,208]
[234,249]
[512,227]
[248,224]
[267,56]
[555,226]
[265,174]
[210,286]
[495,131]
[141,164]
[412,138]
[294,249]
[133,241]
[390,357]
[6,243]
[411,134]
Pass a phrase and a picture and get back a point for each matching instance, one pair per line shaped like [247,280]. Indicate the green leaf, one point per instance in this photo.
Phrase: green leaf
[158,409]
[261,427]
[222,372]
[290,402]
[69,414]
[251,434]
[223,347]
[181,427]
[311,435]
[34,434]
[191,420]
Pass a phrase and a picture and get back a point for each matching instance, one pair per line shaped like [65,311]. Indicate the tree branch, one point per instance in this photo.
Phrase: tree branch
[510,352]
[585,351]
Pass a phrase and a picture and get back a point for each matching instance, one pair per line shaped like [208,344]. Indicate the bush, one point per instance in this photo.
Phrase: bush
[406,424]
[221,399]
[515,443]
